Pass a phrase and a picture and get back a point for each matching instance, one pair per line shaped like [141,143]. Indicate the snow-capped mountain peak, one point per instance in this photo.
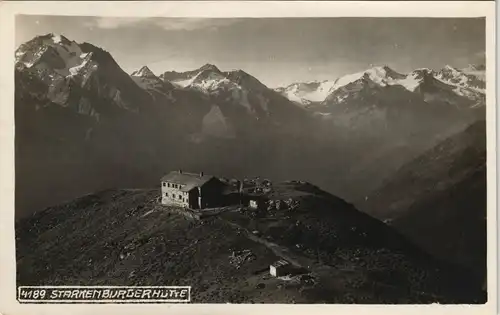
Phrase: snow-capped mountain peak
[61,64]
[469,77]
[185,79]
[209,66]
[241,77]
[413,80]
[450,68]
[380,75]
[383,72]
[56,53]
[315,91]
[235,87]
[144,72]
[59,39]
[147,80]
[307,92]
[56,38]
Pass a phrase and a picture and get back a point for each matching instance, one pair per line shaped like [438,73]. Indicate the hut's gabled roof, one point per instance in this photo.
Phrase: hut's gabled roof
[188,180]
[280,263]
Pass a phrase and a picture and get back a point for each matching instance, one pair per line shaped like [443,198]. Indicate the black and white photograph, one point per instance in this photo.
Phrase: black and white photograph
[275,160]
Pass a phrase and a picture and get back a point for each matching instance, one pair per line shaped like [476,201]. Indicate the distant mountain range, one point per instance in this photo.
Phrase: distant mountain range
[458,87]
[71,72]
[83,124]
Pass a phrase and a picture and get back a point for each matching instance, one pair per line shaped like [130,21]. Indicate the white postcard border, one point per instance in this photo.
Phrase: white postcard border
[8,10]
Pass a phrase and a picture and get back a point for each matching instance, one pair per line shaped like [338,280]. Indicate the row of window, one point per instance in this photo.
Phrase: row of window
[178,196]
[177,186]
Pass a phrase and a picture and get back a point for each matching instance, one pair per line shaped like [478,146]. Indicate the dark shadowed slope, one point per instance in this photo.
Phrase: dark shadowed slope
[451,224]
[439,199]
[123,237]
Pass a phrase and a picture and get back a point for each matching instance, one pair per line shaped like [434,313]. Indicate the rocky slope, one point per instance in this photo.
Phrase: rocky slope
[123,237]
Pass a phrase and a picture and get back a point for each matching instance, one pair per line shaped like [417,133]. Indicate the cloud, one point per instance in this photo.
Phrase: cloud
[112,23]
[193,23]
[480,57]
[171,24]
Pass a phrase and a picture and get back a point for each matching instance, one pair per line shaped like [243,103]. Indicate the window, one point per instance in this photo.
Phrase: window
[166,194]
[180,197]
[164,184]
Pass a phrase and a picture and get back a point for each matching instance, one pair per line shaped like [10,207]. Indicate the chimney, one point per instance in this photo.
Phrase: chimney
[180,171]
[201,174]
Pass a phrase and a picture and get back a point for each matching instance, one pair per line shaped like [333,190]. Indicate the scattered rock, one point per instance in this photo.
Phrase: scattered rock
[237,258]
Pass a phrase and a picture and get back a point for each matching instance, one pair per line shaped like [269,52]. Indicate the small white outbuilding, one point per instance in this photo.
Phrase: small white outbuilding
[253,204]
[280,268]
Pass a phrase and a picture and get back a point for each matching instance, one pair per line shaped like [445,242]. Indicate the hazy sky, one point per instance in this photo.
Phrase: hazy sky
[277,51]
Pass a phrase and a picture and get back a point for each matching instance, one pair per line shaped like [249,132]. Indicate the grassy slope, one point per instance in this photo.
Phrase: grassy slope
[115,238]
